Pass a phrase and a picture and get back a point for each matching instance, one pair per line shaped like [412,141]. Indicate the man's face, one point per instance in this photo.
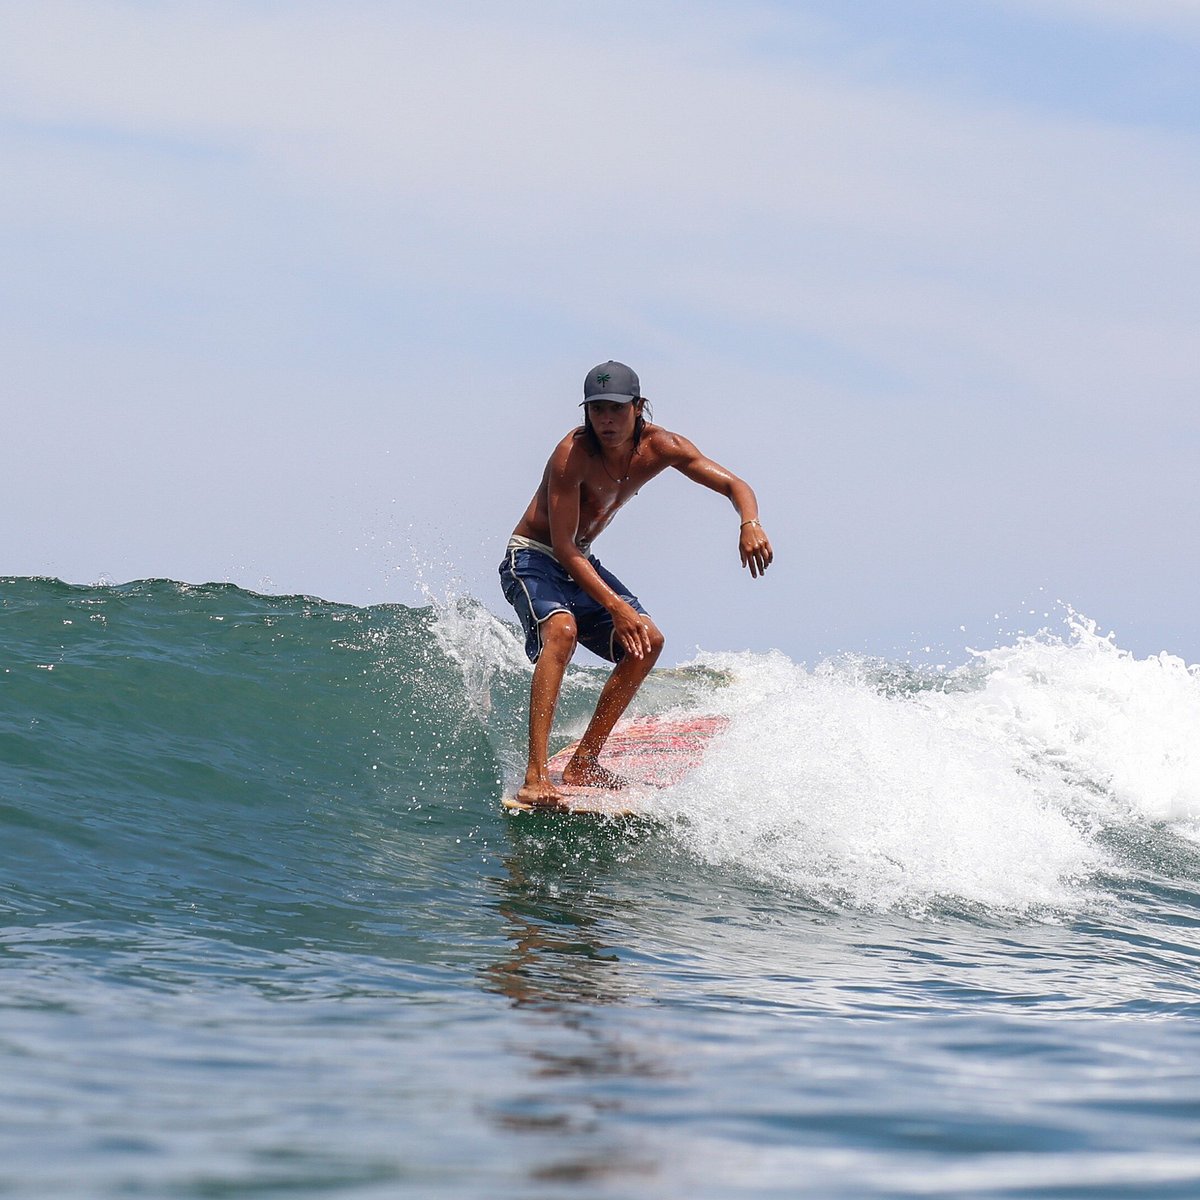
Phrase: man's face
[612,421]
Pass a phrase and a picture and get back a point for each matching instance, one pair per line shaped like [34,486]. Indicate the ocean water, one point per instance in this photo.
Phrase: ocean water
[264,930]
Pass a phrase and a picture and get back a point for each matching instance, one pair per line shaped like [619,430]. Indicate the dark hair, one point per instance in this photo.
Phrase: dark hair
[588,435]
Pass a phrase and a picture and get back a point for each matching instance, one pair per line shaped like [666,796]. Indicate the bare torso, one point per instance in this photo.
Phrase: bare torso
[604,487]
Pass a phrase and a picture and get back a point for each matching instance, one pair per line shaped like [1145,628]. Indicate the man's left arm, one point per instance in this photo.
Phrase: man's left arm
[754,546]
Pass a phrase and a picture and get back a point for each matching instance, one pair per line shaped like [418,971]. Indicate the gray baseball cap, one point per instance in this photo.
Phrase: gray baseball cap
[611,381]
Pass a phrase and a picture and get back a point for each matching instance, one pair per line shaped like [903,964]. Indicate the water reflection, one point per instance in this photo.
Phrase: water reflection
[582,1068]
[556,911]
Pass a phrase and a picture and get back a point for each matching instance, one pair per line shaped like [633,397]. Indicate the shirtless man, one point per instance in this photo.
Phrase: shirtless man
[561,592]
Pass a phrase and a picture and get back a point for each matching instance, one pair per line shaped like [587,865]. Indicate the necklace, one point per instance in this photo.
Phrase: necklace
[628,467]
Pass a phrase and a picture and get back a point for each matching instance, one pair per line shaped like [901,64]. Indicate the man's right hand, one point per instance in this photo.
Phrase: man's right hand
[631,629]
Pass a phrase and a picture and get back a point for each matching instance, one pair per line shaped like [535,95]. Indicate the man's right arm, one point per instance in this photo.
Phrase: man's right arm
[562,500]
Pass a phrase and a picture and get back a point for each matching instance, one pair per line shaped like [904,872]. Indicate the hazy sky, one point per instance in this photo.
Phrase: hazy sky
[301,295]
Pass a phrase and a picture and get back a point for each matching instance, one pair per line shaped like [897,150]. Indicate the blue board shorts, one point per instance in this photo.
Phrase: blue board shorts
[538,586]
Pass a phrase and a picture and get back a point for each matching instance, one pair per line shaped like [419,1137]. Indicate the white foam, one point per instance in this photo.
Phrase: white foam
[1130,727]
[854,786]
[480,645]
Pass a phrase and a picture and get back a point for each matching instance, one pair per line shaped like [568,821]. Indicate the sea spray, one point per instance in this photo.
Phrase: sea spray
[1000,784]
[1125,730]
[875,797]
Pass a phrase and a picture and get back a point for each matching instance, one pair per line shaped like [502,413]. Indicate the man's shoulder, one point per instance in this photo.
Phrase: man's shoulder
[570,454]
[667,445]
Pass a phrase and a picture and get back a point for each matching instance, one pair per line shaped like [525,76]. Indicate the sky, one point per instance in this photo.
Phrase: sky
[301,295]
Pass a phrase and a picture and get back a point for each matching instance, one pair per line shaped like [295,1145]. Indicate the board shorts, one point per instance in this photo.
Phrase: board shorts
[538,586]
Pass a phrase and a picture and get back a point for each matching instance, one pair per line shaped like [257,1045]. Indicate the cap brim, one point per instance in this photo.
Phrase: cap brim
[619,399]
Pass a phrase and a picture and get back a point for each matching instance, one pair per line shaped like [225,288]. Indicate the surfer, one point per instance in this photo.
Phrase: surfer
[560,590]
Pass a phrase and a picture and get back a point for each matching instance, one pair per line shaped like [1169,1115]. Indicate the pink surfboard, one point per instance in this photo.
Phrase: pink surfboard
[651,752]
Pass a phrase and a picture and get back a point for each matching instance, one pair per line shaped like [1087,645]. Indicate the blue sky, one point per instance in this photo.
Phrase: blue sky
[301,295]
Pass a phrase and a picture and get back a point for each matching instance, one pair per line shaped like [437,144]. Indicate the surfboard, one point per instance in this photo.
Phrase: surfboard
[651,752]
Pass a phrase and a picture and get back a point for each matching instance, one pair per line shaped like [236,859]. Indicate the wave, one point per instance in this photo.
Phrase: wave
[169,748]
[1011,783]
[175,748]
[1026,780]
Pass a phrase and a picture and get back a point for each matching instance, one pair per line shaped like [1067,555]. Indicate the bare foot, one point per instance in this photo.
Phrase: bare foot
[584,771]
[541,793]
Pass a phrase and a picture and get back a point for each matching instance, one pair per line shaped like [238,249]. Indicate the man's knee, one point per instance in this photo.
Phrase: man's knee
[559,634]
[654,634]
[657,641]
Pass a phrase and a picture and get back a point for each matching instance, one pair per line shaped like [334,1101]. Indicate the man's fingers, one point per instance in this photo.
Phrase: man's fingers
[636,643]
[756,553]
[758,560]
